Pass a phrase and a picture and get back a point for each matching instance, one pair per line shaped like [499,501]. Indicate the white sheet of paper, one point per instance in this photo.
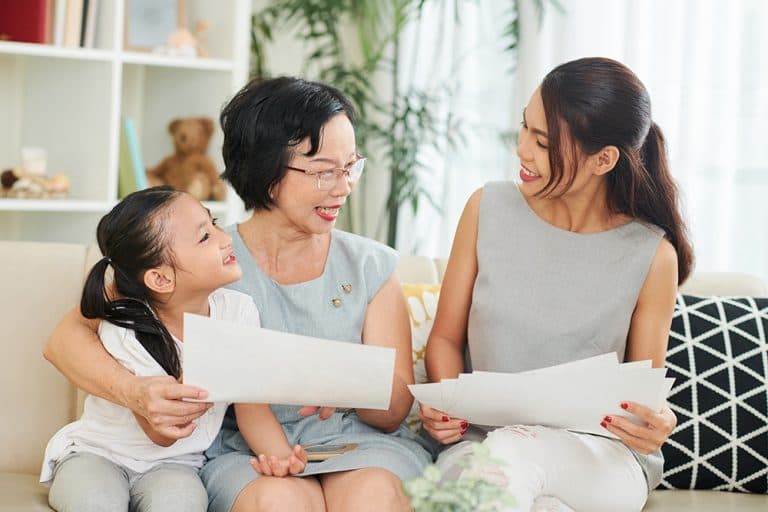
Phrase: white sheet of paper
[575,395]
[243,363]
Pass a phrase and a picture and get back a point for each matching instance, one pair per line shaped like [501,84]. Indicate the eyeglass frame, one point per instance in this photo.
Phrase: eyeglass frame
[335,171]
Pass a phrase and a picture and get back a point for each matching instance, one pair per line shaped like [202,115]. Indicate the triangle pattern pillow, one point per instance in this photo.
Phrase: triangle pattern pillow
[421,299]
[718,355]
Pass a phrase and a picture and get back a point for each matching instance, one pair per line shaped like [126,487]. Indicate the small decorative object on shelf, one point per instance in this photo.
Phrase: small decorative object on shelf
[189,168]
[473,491]
[20,184]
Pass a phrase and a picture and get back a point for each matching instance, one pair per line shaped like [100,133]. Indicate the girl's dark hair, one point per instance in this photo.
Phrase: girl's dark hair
[132,241]
[601,102]
[264,122]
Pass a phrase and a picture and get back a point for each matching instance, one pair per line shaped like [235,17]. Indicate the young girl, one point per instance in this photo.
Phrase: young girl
[168,258]
[582,257]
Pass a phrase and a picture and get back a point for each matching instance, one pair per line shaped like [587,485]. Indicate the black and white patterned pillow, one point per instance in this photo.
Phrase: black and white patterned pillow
[718,355]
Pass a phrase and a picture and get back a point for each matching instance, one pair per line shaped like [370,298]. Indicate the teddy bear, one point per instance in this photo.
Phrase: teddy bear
[189,169]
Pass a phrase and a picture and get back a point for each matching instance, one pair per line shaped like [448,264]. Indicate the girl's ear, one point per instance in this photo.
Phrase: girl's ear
[605,160]
[160,280]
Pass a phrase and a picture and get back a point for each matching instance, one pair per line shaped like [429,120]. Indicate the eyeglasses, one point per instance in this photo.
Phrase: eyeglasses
[327,179]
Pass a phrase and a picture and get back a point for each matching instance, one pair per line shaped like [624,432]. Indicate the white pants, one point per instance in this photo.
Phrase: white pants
[586,473]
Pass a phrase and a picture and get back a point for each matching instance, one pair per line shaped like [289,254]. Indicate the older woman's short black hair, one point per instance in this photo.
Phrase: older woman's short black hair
[264,122]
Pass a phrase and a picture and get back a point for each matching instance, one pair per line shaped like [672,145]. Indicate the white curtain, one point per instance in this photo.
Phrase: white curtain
[705,64]
[468,57]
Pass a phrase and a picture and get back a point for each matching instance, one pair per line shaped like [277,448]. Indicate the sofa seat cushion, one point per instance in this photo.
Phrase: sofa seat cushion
[718,355]
[705,501]
[22,492]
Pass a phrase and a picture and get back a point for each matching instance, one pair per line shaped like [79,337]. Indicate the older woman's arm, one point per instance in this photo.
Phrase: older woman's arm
[75,350]
[387,325]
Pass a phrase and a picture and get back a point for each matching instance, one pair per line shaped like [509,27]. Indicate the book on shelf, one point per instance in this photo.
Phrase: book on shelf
[131,173]
[26,21]
[73,18]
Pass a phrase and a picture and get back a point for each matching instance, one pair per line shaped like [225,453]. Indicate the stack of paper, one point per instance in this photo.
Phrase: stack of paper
[242,363]
[574,396]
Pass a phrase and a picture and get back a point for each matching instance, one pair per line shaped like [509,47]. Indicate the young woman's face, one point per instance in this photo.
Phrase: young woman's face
[202,251]
[298,197]
[533,150]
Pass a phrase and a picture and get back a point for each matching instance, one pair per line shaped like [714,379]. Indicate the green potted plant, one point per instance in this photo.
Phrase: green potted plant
[471,492]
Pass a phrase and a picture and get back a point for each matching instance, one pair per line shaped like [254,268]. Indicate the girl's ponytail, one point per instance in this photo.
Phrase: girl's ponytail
[93,303]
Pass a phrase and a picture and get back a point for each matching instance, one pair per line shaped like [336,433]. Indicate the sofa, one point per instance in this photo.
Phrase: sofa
[41,281]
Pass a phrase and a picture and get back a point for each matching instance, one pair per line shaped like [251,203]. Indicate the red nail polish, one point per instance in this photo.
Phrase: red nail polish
[445,418]
[603,424]
[464,425]
[624,405]
[607,419]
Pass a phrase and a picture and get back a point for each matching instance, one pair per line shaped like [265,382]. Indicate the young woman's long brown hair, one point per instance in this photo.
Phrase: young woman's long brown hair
[600,102]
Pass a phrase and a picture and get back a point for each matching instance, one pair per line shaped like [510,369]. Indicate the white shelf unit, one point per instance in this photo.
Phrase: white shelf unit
[70,101]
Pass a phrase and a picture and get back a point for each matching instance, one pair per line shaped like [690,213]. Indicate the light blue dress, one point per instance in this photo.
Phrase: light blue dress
[332,306]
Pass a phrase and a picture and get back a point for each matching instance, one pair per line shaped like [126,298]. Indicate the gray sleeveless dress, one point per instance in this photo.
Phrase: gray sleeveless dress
[545,296]
[308,309]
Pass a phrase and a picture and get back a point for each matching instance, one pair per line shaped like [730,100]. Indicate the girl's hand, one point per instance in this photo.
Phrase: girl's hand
[323,412]
[642,438]
[440,426]
[274,466]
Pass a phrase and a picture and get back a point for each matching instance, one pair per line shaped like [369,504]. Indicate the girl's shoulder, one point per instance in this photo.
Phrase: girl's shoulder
[233,306]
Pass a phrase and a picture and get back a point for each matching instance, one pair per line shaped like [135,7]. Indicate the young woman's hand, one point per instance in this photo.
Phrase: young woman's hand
[270,465]
[642,438]
[440,426]
[160,401]
[323,412]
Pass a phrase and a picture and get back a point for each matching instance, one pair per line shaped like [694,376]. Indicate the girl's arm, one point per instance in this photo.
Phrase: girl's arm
[445,347]
[266,439]
[648,338]
[75,350]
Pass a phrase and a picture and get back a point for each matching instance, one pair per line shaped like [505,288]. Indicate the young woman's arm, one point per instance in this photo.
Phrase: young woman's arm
[75,350]
[387,325]
[448,338]
[648,337]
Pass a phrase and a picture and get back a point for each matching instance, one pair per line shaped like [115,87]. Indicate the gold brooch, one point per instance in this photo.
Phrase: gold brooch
[336,302]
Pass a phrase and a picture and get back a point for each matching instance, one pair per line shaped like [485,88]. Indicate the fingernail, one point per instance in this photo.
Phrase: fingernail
[624,405]
[603,424]
[445,418]
[464,425]
[607,419]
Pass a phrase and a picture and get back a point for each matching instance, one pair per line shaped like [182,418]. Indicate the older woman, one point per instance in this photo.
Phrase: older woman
[290,154]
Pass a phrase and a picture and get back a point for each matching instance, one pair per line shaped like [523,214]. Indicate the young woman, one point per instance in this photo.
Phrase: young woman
[581,258]
[290,154]
[168,257]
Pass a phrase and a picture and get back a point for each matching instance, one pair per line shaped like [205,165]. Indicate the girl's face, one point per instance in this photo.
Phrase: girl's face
[202,251]
[297,195]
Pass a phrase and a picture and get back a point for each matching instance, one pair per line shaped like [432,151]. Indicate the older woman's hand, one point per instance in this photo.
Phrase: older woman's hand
[642,438]
[441,427]
[161,401]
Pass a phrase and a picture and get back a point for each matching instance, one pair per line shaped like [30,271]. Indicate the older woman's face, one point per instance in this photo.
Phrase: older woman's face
[298,197]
